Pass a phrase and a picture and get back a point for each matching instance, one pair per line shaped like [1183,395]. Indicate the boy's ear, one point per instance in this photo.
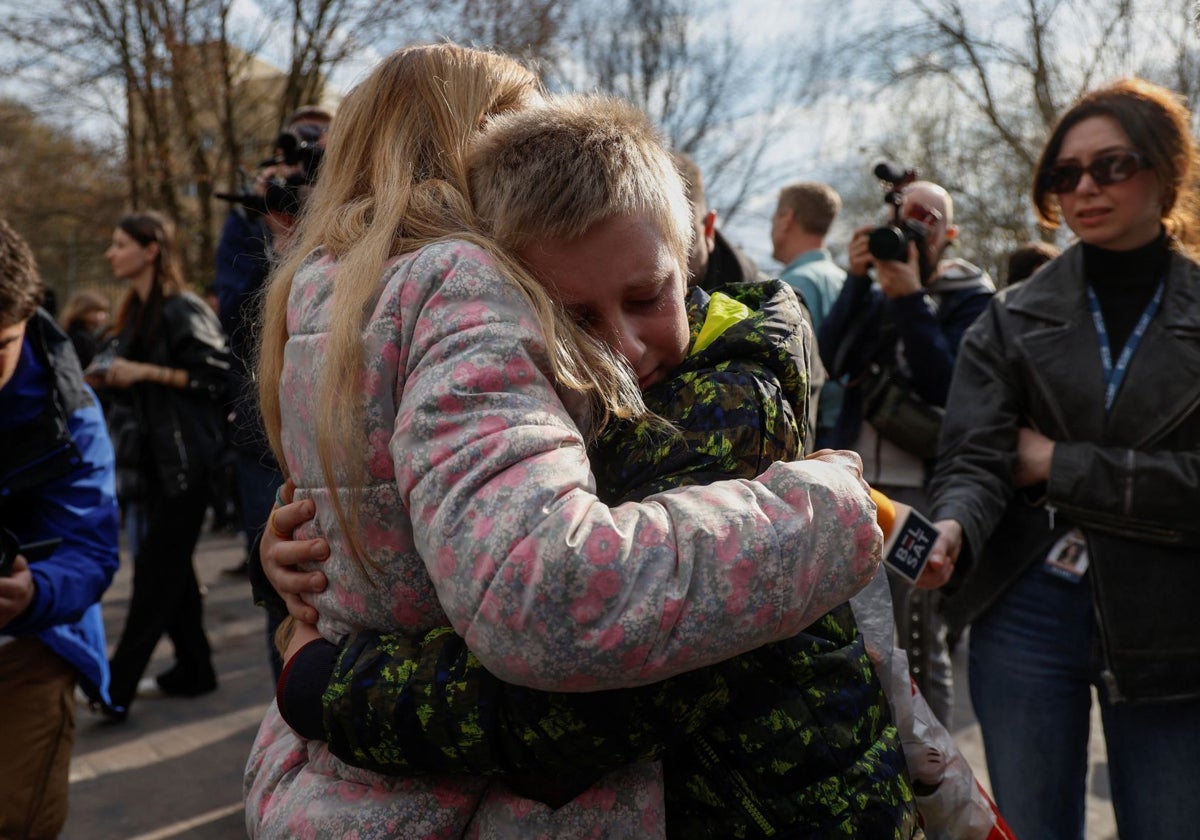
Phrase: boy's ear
[710,228]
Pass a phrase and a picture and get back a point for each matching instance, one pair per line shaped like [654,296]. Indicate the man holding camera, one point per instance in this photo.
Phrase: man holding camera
[891,340]
[255,230]
[58,549]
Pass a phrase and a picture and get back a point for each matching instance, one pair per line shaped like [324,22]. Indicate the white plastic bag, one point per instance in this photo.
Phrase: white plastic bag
[951,803]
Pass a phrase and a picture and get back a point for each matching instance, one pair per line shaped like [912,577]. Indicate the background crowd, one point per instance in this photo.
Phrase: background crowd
[482,330]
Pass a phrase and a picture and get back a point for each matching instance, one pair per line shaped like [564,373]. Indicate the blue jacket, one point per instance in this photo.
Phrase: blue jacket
[57,480]
[929,325]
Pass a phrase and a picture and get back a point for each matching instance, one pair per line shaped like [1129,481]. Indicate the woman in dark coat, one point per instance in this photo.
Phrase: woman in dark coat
[1066,482]
[172,366]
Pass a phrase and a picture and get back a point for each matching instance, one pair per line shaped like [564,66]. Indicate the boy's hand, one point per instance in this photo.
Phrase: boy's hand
[281,555]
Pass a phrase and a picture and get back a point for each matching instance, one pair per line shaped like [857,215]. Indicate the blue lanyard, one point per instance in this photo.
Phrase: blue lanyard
[1114,376]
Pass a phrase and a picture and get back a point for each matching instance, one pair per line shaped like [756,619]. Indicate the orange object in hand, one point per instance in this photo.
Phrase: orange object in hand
[886,515]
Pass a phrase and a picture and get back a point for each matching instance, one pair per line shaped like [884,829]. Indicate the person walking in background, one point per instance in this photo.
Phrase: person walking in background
[1023,261]
[57,489]
[172,367]
[802,219]
[713,260]
[1073,431]
[245,253]
[85,318]
[453,486]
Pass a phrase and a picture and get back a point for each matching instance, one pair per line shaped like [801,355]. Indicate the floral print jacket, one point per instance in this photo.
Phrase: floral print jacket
[481,514]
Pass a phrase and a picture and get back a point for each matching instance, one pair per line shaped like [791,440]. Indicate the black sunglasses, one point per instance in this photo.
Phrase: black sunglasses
[1105,170]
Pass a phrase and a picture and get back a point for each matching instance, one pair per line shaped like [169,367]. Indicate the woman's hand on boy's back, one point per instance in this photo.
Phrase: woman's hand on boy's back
[282,555]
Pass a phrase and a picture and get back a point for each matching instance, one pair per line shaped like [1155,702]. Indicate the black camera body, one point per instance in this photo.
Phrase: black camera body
[293,150]
[284,195]
[890,242]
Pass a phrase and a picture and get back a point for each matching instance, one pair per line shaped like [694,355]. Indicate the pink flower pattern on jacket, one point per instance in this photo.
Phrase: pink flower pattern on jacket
[479,512]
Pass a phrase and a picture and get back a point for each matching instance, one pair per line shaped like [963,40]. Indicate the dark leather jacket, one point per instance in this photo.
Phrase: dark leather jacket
[1128,480]
[182,429]
[864,325]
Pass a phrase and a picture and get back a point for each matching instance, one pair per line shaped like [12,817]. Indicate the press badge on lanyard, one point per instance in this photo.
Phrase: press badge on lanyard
[1068,558]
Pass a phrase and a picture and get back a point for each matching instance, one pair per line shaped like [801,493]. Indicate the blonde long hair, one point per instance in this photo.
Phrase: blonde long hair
[394,179]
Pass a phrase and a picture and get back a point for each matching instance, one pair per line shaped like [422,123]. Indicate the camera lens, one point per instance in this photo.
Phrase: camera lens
[888,243]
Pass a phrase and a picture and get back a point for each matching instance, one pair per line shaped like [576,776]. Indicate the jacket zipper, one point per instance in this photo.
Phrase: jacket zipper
[1166,535]
[746,798]
[1106,672]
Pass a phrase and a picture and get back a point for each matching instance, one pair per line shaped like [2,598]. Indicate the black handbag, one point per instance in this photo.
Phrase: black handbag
[898,413]
[128,439]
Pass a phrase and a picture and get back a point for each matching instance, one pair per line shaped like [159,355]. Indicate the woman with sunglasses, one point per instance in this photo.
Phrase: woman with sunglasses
[1073,431]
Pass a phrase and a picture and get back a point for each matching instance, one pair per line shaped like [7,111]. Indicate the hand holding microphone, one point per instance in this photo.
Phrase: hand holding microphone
[923,552]
[943,555]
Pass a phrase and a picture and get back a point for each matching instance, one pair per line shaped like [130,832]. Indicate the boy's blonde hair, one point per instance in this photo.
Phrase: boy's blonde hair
[558,169]
[394,179]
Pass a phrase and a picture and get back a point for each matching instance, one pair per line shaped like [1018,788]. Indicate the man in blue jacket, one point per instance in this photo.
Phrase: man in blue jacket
[59,553]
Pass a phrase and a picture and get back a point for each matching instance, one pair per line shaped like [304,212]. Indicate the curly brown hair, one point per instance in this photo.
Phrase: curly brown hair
[21,287]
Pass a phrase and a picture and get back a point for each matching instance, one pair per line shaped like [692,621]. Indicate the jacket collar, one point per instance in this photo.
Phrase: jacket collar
[958,275]
[815,255]
[774,335]
[1064,357]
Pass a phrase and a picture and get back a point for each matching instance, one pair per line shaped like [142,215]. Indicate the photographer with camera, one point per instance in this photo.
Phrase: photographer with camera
[891,339]
[58,549]
[255,231]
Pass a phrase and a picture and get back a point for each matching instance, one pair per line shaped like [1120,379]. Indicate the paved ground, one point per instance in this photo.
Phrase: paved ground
[174,769]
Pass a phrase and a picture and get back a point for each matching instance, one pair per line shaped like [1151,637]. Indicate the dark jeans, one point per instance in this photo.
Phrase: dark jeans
[1033,664]
[166,595]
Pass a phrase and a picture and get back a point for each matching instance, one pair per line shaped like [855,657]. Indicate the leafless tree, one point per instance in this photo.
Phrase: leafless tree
[533,30]
[179,78]
[717,98]
[69,216]
[977,87]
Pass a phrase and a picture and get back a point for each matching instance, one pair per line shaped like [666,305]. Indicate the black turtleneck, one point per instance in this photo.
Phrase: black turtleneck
[1124,283]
